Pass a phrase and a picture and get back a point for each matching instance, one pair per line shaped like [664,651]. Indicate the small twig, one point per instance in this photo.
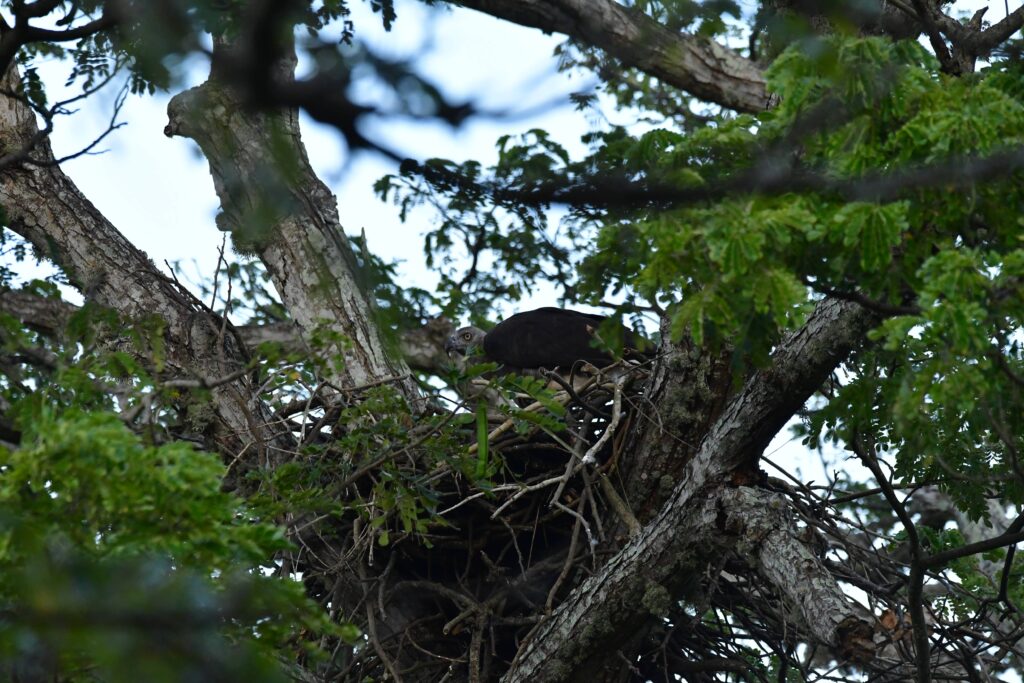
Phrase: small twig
[591,456]
[369,385]
[917,566]
[534,487]
[566,566]
[205,383]
[216,272]
[586,524]
[467,499]
[560,397]
[574,395]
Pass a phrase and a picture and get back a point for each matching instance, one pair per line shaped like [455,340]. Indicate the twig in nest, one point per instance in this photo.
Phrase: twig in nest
[535,487]
[586,525]
[561,398]
[588,496]
[371,623]
[576,398]
[570,467]
[566,566]
[462,502]
[591,457]
[474,648]
[515,546]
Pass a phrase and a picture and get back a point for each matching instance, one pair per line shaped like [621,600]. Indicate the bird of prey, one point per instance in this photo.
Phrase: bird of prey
[554,343]
[544,338]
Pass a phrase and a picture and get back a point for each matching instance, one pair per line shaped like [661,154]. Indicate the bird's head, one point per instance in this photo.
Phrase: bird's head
[466,341]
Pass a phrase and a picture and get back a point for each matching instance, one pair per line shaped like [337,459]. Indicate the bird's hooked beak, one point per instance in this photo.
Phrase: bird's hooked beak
[449,345]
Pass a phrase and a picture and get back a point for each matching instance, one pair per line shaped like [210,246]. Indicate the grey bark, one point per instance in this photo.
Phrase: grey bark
[687,391]
[699,66]
[275,205]
[770,544]
[688,534]
[48,316]
[45,207]
[422,348]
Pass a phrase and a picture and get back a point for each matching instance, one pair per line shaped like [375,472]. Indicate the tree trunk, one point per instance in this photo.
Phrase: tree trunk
[694,528]
[45,207]
[274,205]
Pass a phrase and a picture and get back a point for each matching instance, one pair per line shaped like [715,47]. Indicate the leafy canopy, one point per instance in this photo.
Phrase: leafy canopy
[737,228]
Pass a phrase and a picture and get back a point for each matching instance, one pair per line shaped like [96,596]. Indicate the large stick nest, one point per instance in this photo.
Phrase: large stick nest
[516,521]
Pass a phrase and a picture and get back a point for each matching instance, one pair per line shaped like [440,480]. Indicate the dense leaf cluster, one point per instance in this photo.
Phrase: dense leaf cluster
[945,257]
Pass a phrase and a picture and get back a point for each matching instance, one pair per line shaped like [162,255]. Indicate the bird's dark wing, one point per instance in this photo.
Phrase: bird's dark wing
[546,337]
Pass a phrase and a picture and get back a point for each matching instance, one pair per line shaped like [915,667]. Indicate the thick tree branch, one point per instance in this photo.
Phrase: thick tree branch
[699,66]
[770,544]
[22,33]
[773,174]
[274,204]
[981,43]
[688,532]
[48,316]
[423,348]
[686,393]
[926,12]
[44,206]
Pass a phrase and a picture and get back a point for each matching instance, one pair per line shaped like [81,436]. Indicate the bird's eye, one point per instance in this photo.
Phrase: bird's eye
[467,336]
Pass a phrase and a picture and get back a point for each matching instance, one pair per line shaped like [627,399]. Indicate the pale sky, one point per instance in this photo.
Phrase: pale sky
[159,193]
